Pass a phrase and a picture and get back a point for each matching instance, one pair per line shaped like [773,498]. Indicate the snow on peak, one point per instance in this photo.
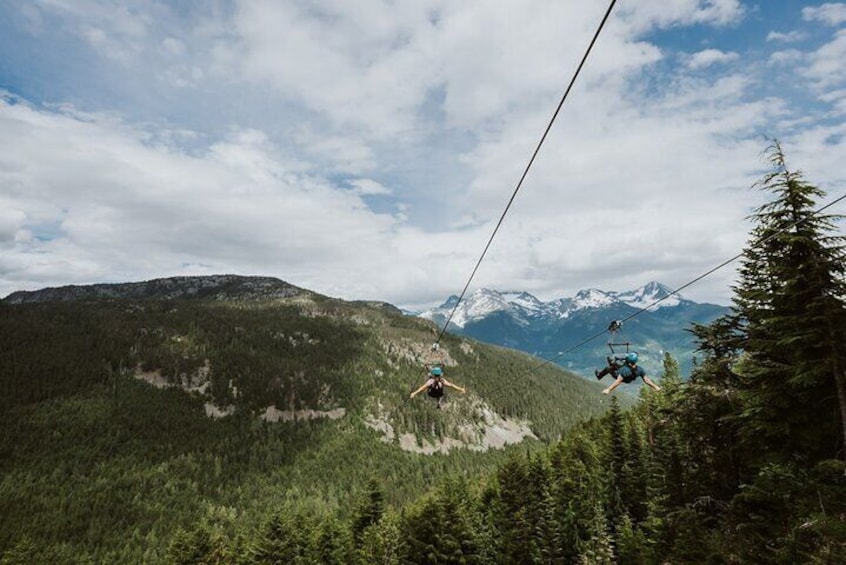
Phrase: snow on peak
[483,302]
[649,294]
[591,298]
[523,306]
[523,300]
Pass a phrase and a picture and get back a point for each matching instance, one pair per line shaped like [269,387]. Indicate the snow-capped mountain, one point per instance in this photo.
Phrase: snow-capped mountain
[525,308]
[650,294]
[481,303]
[521,321]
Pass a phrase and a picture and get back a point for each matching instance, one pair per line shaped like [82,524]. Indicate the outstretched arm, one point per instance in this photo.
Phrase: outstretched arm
[648,381]
[419,390]
[614,385]
[456,387]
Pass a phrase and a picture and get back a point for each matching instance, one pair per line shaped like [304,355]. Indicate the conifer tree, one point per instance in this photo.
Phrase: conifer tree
[332,544]
[598,549]
[516,529]
[382,543]
[369,511]
[282,541]
[548,536]
[616,463]
[634,478]
[706,414]
[791,300]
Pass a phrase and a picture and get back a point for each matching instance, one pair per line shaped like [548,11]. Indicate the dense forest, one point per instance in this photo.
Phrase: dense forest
[742,461]
[99,465]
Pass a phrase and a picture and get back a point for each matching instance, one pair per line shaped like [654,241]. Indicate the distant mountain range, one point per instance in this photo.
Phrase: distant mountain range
[521,321]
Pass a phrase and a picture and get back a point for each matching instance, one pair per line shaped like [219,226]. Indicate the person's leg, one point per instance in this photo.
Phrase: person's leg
[607,369]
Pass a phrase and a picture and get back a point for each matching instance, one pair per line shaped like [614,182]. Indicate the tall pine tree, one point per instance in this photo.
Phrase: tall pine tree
[790,297]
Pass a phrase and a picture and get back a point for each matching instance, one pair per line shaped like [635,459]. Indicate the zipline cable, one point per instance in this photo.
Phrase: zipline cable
[697,279]
[528,166]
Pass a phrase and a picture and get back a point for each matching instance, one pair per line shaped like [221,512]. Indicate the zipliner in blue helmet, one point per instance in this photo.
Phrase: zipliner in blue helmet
[625,370]
[435,384]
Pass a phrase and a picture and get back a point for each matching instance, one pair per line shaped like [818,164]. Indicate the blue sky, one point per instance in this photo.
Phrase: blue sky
[366,150]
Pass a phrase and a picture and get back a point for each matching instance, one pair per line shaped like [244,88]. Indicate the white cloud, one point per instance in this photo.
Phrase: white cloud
[708,57]
[789,37]
[643,16]
[830,13]
[11,222]
[121,205]
[788,56]
[115,30]
[369,187]
[248,138]
[826,63]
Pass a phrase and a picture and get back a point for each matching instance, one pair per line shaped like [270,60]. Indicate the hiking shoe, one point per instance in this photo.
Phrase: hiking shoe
[598,376]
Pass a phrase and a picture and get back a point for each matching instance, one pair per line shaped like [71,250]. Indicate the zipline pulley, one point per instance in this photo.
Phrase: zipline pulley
[615,327]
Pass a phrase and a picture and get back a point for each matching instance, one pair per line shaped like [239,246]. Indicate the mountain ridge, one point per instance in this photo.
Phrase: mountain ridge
[483,302]
[219,287]
[657,322]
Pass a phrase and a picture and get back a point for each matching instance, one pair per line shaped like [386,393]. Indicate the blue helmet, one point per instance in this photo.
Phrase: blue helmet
[436,371]
[631,357]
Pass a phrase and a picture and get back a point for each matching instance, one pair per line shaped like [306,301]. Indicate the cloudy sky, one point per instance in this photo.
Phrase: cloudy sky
[366,149]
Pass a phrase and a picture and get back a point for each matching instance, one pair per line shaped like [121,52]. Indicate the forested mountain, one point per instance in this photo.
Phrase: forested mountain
[521,321]
[133,411]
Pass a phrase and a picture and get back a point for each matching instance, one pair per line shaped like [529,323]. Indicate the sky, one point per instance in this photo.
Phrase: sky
[366,150]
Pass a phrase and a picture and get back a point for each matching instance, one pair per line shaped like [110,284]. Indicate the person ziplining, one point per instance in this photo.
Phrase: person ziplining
[435,384]
[623,368]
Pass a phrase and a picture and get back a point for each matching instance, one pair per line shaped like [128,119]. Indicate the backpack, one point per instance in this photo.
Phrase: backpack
[436,389]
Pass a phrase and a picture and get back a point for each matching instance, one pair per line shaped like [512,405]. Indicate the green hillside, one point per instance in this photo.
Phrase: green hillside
[127,420]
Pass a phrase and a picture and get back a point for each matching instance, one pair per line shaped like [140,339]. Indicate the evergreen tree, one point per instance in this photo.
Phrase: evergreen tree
[617,460]
[382,543]
[791,300]
[598,549]
[578,478]
[490,518]
[369,511]
[516,527]
[439,530]
[635,475]
[549,539]
[631,544]
[284,540]
[332,544]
